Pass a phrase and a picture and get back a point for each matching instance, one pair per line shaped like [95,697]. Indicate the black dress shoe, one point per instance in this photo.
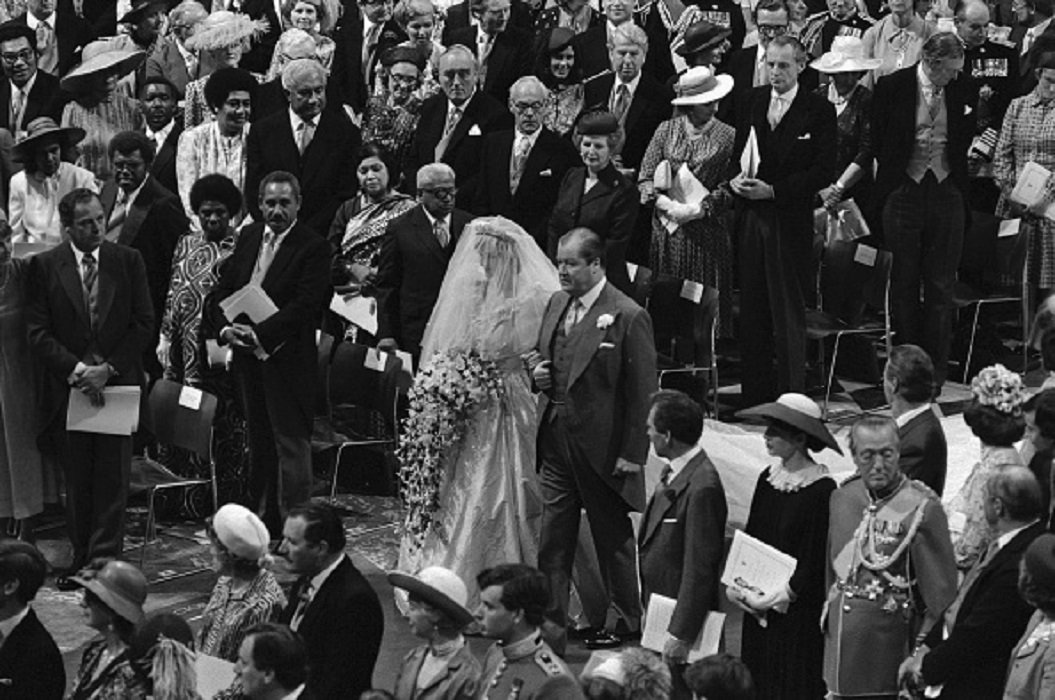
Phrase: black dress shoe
[66,583]
[581,633]
[602,639]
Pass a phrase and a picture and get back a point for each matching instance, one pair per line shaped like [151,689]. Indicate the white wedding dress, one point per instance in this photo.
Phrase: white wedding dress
[492,301]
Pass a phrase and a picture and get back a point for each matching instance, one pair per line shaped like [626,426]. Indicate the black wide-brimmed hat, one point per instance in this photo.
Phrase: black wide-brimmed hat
[40,129]
[142,8]
[702,36]
[798,411]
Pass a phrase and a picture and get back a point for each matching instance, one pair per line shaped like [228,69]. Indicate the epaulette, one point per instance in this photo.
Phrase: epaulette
[817,17]
[924,489]
[546,661]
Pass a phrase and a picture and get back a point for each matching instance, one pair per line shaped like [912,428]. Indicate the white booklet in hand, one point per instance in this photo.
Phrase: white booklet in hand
[1034,186]
[753,565]
[250,300]
[119,414]
[750,156]
[360,310]
[657,622]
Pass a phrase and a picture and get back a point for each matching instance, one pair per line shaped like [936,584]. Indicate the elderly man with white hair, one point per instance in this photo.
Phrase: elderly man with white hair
[316,144]
[522,167]
[417,248]
[171,58]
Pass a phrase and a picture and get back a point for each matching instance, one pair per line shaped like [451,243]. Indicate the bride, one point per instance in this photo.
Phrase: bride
[478,504]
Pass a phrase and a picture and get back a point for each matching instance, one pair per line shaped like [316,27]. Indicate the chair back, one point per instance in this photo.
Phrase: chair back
[353,383]
[176,422]
[322,374]
[640,285]
[854,277]
[683,329]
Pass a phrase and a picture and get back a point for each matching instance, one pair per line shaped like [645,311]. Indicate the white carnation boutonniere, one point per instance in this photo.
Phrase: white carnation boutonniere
[604,321]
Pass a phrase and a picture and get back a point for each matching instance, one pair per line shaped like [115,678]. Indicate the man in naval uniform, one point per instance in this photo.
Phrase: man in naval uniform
[891,571]
[513,600]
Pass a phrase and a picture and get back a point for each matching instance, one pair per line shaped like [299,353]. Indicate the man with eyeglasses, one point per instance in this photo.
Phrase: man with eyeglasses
[522,168]
[891,570]
[363,36]
[503,52]
[172,59]
[59,34]
[27,93]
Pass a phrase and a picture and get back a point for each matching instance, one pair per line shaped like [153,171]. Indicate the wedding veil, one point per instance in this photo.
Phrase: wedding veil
[494,293]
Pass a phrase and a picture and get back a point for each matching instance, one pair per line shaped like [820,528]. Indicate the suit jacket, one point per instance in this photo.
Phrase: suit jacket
[924,454]
[326,169]
[30,663]
[346,84]
[163,169]
[61,333]
[591,51]
[894,128]
[547,162]
[510,58]
[258,58]
[458,18]
[342,628]
[482,115]
[298,282]
[681,542]
[740,64]
[972,661]
[649,108]
[612,375]
[73,33]
[167,61]
[43,101]
[609,209]
[270,99]
[461,679]
[410,271]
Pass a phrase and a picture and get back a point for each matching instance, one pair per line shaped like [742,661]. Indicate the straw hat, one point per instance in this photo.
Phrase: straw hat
[440,588]
[701,36]
[121,586]
[800,412]
[40,128]
[699,86]
[101,61]
[846,55]
[223,28]
[241,532]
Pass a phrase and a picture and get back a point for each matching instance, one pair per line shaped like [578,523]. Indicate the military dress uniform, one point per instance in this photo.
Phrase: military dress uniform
[890,560]
[992,69]
[822,28]
[515,671]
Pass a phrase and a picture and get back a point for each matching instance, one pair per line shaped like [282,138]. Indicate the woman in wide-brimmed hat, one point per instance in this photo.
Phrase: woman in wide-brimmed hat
[97,106]
[690,239]
[443,668]
[789,511]
[46,177]
[114,593]
[220,40]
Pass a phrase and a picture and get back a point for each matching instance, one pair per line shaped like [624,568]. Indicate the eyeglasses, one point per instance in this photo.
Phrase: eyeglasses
[441,192]
[404,79]
[773,29]
[25,55]
[868,456]
[525,106]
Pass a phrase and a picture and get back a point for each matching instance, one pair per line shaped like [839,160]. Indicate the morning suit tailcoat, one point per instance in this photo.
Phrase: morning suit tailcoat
[530,206]
[326,169]
[972,660]
[740,65]
[609,209]
[460,680]
[43,101]
[482,115]
[681,543]
[458,18]
[591,51]
[163,169]
[342,628]
[410,272]
[924,453]
[30,663]
[649,107]
[510,58]
[167,61]
[73,33]
[347,85]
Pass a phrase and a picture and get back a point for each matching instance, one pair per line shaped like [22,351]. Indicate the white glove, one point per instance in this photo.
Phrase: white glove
[663,203]
[681,213]
[164,345]
[778,600]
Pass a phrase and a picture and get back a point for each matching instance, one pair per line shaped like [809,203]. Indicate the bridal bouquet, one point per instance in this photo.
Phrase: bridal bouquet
[448,392]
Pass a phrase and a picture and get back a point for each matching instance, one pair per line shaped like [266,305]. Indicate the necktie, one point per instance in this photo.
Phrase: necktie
[89,275]
[305,132]
[622,101]
[439,227]
[934,98]
[453,116]
[369,47]
[117,217]
[516,165]
[487,42]
[18,103]
[664,476]
[761,73]
[573,315]
[303,600]
[266,257]
[49,55]
[776,111]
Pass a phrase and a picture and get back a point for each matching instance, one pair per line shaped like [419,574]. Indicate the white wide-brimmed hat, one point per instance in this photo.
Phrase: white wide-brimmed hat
[439,587]
[100,59]
[699,85]
[847,55]
[223,28]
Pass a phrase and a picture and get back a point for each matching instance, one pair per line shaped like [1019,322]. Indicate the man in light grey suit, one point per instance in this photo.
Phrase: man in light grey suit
[595,363]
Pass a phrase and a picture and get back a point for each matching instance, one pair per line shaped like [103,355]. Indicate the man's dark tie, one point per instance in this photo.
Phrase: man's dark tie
[89,275]
[302,606]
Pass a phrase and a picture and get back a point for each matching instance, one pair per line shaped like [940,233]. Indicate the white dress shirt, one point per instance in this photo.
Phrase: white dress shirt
[907,416]
[679,463]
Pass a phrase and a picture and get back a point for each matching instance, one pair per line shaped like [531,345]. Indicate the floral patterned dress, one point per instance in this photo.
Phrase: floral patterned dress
[566,105]
[103,678]
[970,531]
[229,613]
[204,150]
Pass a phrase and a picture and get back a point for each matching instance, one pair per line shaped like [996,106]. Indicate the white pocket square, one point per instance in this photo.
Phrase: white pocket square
[670,520]
[805,137]
[546,173]
[474,130]
[967,109]
[606,346]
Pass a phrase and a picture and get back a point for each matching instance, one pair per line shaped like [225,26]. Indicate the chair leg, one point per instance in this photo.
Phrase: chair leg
[336,471]
[970,345]
[831,376]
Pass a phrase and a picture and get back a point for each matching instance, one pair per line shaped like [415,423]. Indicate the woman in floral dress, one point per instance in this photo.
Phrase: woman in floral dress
[556,68]
[392,114]
[690,240]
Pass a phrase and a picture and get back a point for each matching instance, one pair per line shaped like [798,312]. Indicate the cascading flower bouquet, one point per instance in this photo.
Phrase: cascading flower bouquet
[449,390]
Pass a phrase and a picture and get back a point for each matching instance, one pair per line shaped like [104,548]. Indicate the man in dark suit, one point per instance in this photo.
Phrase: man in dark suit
[795,133]
[639,101]
[30,663]
[366,32]
[142,214]
[987,618]
[454,123]
[60,35]
[682,535]
[274,358]
[595,363]
[332,606]
[162,124]
[415,251]
[921,130]
[316,144]
[273,663]
[27,93]
[592,46]
[522,169]
[171,58]
[89,321]
[460,16]
[258,58]
[908,382]
[503,52]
